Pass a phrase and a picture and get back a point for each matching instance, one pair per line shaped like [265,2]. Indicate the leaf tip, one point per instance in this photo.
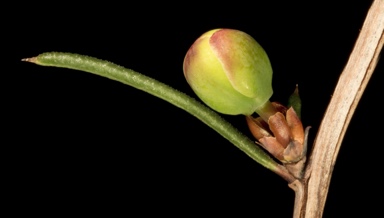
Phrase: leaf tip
[31,60]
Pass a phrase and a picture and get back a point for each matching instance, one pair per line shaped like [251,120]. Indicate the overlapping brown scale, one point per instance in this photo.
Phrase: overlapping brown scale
[258,127]
[279,126]
[295,125]
[282,136]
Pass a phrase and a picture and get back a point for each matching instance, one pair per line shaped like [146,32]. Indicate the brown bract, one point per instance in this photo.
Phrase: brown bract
[282,136]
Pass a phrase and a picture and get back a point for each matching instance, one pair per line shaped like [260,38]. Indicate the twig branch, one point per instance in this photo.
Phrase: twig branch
[347,94]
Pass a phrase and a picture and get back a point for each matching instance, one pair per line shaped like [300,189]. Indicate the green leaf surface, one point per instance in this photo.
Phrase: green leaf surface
[163,91]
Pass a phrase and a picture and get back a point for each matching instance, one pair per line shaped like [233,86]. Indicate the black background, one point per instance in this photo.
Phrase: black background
[80,141]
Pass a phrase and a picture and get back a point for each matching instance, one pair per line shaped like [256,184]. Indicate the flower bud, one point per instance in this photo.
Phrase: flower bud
[229,71]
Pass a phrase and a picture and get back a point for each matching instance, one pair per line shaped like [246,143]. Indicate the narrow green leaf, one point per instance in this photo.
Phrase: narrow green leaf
[165,92]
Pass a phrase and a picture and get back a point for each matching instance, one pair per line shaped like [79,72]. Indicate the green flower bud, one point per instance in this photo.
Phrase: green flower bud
[229,71]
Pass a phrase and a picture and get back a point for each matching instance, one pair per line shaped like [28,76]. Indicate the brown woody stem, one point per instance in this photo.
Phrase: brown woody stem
[311,191]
